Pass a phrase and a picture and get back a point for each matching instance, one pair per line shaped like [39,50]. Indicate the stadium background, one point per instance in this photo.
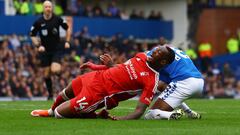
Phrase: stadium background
[100,26]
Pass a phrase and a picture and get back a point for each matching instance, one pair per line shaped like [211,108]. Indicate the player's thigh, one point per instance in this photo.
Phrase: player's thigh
[177,92]
[191,86]
[64,110]
[172,96]
[56,59]
[55,67]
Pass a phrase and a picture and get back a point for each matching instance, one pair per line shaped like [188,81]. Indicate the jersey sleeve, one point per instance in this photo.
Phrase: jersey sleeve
[63,23]
[148,92]
[34,29]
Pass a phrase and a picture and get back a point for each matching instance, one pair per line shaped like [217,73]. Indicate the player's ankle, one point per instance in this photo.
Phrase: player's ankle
[50,112]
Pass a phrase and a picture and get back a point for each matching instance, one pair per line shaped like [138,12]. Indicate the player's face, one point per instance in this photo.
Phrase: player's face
[158,52]
[157,55]
[47,7]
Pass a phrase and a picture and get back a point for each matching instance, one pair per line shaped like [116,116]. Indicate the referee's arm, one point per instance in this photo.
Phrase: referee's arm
[33,35]
[68,32]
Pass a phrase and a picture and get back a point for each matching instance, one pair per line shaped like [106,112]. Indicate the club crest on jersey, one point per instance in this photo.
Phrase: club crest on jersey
[44,32]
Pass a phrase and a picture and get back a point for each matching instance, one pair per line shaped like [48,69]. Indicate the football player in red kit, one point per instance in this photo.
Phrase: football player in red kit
[105,88]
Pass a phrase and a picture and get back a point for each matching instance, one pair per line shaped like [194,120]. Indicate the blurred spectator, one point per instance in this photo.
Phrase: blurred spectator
[17,5]
[25,8]
[63,4]
[14,41]
[97,11]
[58,10]
[88,11]
[124,15]
[152,15]
[38,7]
[77,8]
[229,80]
[192,54]
[233,45]
[141,14]
[113,10]
[134,14]
[237,96]
[159,15]
[213,83]
[205,53]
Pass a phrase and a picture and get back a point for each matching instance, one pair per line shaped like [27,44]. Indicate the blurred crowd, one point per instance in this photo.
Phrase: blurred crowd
[21,76]
[20,72]
[80,8]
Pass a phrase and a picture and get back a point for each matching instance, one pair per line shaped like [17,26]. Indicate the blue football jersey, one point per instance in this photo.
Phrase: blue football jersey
[181,68]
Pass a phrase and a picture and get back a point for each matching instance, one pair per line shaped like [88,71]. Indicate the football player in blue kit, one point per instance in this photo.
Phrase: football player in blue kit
[180,81]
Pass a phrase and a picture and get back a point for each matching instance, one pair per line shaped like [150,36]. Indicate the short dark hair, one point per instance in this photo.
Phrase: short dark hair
[170,57]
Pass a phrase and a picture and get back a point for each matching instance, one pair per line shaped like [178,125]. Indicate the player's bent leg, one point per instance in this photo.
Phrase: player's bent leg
[161,110]
[55,68]
[64,111]
[64,95]
[162,105]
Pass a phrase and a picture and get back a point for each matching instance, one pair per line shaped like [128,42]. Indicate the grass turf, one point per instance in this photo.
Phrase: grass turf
[219,117]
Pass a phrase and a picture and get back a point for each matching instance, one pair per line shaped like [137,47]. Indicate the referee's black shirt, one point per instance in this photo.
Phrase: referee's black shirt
[49,32]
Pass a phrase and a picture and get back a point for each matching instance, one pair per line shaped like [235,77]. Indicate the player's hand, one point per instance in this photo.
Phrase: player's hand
[67,45]
[106,59]
[116,118]
[41,48]
[86,65]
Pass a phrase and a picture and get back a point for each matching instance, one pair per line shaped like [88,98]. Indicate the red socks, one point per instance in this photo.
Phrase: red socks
[59,100]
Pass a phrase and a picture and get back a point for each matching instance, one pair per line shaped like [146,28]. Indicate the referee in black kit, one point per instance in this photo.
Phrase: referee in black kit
[48,45]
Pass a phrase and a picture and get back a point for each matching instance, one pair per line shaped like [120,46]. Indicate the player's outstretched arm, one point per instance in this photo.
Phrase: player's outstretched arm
[139,111]
[93,66]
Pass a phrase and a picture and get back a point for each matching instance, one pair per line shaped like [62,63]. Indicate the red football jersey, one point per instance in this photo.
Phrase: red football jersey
[132,76]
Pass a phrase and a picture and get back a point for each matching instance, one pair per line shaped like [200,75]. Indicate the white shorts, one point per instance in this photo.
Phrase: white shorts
[177,92]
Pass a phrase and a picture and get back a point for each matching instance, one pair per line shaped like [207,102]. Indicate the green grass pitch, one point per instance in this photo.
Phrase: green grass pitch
[220,117]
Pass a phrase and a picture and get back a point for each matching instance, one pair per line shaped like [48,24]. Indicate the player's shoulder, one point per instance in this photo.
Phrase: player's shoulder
[142,56]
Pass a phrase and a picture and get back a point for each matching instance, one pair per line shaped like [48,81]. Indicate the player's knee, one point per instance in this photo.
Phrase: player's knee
[55,68]
[57,114]
[65,95]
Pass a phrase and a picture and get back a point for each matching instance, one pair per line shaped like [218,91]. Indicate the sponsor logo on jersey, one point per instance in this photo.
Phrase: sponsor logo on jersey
[131,70]
[144,73]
